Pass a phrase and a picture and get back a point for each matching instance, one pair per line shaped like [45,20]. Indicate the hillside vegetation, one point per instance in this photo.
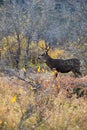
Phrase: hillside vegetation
[49,107]
[31,98]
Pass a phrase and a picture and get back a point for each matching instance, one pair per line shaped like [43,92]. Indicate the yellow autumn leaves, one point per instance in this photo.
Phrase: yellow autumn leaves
[24,69]
[1,122]
[14,98]
[55,53]
[41,44]
[39,69]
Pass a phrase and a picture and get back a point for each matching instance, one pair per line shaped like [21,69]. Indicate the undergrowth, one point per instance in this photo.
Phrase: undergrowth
[22,107]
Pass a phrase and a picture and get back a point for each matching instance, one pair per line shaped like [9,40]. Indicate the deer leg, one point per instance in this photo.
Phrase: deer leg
[56,74]
[57,81]
[76,73]
[55,77]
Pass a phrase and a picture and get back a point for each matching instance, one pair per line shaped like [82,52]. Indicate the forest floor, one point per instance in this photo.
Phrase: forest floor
[56,107]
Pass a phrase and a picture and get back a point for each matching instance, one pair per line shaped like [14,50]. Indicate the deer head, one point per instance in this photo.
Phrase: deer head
[44,56]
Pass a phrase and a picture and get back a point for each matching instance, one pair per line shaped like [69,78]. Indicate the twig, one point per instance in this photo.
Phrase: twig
[41,122]
[14,73]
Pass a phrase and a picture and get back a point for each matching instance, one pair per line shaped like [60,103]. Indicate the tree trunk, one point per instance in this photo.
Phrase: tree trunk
[18,53]
[27,55]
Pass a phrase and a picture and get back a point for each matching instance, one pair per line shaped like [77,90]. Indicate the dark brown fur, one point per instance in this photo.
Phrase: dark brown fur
[61,65]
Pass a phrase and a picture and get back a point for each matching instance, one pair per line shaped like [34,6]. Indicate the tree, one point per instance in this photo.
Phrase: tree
[1,2]
[52,21]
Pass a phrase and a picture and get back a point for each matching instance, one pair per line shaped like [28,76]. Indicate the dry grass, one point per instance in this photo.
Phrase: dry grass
[53,106]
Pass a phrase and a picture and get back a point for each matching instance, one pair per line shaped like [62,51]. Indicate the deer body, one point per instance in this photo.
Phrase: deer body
[61,65]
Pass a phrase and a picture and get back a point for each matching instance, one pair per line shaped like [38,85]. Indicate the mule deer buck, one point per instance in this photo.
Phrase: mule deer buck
[61,65]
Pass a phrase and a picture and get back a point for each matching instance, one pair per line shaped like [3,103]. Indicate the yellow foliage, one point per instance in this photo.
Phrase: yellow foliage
[24,69]
[58,107]
[53,53]
[32,45]
[43,70]
[9,42]
[4,40]
[1,122]
[21,35]
[5,48]
[53,86]
[11,39]
[39,69]
[23,42]
[31,88]
[15,35]
[59,86]
[54,71]
[24,110]
[56,53]
[46,71]
[13,100]
[41,44]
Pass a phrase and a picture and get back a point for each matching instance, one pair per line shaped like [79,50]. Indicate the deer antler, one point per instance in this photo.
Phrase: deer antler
[47,48]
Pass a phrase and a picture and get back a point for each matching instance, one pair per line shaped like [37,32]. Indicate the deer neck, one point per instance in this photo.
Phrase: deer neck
[48,60]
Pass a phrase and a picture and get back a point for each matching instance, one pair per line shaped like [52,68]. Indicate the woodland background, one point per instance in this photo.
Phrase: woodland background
[29,98]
